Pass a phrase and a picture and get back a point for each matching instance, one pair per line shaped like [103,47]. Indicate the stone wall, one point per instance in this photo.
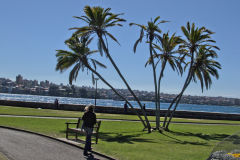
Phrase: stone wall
[118,110]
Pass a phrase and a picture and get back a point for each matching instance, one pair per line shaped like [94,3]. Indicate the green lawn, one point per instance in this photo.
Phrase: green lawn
[125,140]
[2,156]
[57,113]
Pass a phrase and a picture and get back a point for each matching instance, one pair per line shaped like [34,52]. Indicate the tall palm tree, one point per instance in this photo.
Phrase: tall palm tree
[80,58]
[98,20]
[169,55]
[151,31]
[196,38]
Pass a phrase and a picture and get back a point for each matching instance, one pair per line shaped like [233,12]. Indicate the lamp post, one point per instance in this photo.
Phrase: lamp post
[96,79]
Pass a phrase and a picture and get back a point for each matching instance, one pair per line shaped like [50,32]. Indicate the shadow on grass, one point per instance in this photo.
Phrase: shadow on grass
[120,138]
[207,137]
[175,140]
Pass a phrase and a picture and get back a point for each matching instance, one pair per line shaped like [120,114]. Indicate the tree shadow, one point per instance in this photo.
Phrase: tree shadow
[120,138]
[175,140]
[207,137]
[234,139]
[62,131]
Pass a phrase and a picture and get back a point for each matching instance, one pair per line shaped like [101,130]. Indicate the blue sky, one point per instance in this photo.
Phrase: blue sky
[31,31]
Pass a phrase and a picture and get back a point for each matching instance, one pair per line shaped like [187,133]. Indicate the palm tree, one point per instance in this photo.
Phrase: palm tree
[203,68]
[169,55]
[98,20]
[80,58]
[151,32]
[196,38]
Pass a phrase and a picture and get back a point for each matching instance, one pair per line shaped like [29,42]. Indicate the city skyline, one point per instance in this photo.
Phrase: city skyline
[32,31]
[45,88]
[36,82]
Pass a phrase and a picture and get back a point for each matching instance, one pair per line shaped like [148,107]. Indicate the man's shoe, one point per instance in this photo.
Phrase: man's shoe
[85,153]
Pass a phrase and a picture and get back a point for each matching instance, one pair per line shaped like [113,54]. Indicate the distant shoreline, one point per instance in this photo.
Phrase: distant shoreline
[167,102]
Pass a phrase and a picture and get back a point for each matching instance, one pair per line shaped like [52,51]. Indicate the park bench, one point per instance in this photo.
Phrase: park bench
[77,129]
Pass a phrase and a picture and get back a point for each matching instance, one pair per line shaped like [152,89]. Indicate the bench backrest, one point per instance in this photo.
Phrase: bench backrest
[79,123]
[95,128]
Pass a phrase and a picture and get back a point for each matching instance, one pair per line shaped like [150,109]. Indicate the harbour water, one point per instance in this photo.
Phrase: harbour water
[113,103]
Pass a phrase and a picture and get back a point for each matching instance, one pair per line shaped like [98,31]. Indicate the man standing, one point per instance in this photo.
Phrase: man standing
[89,119]
[125,107]
[56,104]
[144,107]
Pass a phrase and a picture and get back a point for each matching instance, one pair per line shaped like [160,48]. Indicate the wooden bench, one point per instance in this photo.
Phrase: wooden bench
[77,129]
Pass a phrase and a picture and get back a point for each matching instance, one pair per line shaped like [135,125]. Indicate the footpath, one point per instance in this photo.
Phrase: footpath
[103,119]
[17,144]
[22,145]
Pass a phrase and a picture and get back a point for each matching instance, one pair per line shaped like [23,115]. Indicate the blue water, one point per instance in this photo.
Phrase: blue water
[113,103]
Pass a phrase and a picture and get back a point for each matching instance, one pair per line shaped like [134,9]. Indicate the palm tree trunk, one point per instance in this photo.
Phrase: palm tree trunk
[155,85]
[109,85]
[179,96]
[187,82]
[178,100]
[120,74]
[168,111]
[159,82]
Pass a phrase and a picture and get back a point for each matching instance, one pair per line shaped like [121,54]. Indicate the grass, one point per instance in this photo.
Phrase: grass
[2,156]
[11,110]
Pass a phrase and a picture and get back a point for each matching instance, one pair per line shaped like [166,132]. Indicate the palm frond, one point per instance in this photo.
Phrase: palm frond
[156,19]
[163,21]
[139,25]
[112,37]
[99,64]
[93,79]
[74,73]
[100,47]
[84,18]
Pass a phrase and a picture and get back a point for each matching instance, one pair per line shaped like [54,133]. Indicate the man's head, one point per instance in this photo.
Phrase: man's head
[89,108]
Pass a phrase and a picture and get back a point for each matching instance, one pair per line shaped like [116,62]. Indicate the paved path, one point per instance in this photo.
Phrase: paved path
[48,117]
[17,145]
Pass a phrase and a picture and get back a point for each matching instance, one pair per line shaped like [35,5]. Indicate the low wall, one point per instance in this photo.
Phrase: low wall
[118,110]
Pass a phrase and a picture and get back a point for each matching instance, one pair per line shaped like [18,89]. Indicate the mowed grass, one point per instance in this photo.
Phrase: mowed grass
[11,110]
[126,140]
[2,156]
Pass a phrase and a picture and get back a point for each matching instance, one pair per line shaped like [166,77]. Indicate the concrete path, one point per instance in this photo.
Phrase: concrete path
[102,119]
[17,145]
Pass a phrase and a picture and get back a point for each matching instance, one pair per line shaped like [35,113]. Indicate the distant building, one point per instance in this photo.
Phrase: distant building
[44,83]
[35,83]
[237,101]
[19,79]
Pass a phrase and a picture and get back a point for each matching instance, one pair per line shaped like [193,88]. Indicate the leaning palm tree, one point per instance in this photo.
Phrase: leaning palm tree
[203,68]
[80,58]
[151,31]
[196,38]
[98,20]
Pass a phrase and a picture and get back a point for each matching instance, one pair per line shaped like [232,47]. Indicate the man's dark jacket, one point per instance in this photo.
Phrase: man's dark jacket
[89,119]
